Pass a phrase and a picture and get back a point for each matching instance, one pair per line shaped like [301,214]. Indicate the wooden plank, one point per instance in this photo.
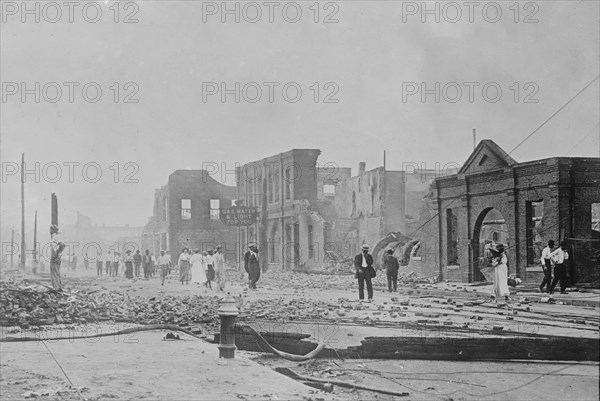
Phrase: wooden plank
[440,348]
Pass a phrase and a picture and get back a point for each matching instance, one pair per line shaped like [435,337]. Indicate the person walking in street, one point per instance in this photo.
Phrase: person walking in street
[163,265]
[99,266]
[73,261]
[170,264]
[210,268]
[147,264]
[205,267]
[391,269]
[547,264]
[252,265]
[137,262]
[560,257]
[128,264]
[108,263]
[184,266]
[363,264]
[500,273]
[219,259]
[197,269]
[57,247]
[115,264]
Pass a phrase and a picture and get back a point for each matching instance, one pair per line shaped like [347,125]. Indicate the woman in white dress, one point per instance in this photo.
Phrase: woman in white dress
[198,275]
[184,266]
[500,273]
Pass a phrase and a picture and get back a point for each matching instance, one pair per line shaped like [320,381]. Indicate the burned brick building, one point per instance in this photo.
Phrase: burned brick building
[292,196]
[493,198]
[308,211]
[187,214]
[374,201]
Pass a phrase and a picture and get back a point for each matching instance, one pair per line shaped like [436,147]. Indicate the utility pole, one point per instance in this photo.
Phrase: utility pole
[474,139]
[23,210]
[12,244]
[35,238]
[54,210]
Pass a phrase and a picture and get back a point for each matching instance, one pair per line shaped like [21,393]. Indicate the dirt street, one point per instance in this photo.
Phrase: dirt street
[146,366]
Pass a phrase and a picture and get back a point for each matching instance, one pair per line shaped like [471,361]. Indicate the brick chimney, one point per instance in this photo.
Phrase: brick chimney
[361,168]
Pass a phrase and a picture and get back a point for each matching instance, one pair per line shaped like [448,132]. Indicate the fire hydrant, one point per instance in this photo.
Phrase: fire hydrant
[228,312]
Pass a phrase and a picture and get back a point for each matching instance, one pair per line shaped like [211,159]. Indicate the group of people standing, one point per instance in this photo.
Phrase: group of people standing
[202,267]
[365,272]
[554,259]
[134,264]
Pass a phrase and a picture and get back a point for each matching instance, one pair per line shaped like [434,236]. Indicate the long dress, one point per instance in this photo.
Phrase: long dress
[500,273]
[129,266]
[55,260]
[184,267]
[220,269]
[197,270]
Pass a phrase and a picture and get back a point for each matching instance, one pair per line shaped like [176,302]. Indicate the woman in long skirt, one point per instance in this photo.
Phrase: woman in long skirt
[128,264]
[500,274]
[198,275]
[184,266]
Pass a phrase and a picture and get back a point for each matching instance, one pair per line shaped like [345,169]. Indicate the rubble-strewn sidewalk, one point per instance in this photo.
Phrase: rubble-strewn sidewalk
[139,366]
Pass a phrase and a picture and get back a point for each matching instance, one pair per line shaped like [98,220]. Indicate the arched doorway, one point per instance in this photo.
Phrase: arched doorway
[397,239]
[490,227]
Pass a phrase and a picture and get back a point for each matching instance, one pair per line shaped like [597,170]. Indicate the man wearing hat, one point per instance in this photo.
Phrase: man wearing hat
[547,263]
[391,269]
[363,263]
[560,257]
[252,265]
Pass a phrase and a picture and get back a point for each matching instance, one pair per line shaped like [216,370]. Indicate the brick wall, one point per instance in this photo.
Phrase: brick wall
[567,187]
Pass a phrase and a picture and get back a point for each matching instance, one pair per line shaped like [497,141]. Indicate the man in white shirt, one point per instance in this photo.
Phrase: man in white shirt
[363,264]
[560,256]
[547,263]
[163,264]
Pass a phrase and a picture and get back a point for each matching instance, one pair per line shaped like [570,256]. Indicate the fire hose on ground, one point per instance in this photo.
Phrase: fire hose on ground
[284,355]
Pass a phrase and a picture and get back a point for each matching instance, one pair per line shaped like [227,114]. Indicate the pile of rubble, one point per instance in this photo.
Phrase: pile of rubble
[36,305]
[336,264]
[281,280]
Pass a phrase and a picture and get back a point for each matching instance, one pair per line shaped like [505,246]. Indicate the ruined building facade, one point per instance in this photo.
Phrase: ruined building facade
[493,198]
[187,214]
[308,211]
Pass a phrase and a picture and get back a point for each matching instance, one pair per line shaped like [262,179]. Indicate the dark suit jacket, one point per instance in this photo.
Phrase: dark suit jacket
[391,264]
[358,263]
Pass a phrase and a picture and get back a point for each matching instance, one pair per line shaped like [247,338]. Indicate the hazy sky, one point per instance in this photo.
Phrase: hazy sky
[376,49]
